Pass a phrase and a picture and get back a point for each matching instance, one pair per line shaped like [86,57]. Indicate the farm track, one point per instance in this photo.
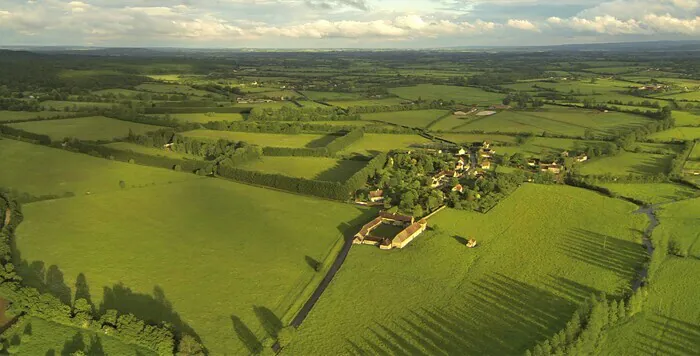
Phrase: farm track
[306,309]
[8,217]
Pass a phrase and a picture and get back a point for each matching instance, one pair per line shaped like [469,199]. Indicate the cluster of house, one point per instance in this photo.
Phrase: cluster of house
[653,87]
[411,230]
[485,154]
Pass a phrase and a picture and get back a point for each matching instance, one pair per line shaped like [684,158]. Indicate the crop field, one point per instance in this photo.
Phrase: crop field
[628,163]
[562,121]
[427,298]
[253,244]
[677,134]
[318,168]
[670,323]
[62,105]
[373,143]
[85,128]
[203,118]
[680,224]
[412,118]
[152,151]
[653,193]
[462,95]
[173,89]
[659,148]
[40,170]
[36,336]
[265,139]
[26,115]
[331,96]
[310,104]
[686,118]
[367,102]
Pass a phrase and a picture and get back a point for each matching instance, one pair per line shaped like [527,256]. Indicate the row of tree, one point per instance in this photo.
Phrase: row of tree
[329,150]
[303,114]
[586,329]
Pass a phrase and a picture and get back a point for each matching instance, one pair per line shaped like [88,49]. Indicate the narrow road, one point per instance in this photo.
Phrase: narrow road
[304,312]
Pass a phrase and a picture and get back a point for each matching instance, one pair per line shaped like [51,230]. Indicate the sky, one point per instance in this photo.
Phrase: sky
[343,23]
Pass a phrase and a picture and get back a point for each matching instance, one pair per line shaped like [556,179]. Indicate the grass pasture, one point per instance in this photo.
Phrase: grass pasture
[466,139]
[438,297]
[224,260]
[62,105]
[367,102]
[628,163]
[117,92]
[686,118]
[203,118]
[27,115]
[557,120]
[40,170]
[331,96]
[677,134]
[543,146]
[462,95]
[265,139]
[318,168]
[679,223]
[451,123]
[162,88]
[653,193]
[152,151]
[411,118]
[85,128]
[35,336]
[372,143]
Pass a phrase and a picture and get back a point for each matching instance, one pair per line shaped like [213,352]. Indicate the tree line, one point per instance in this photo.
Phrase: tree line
[302,114]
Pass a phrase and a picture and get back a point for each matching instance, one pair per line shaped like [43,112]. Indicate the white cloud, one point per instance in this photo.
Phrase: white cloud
[523,25]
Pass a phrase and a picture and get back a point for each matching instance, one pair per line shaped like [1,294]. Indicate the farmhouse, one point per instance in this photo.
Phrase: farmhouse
[411,231]
[459,113]
[554,168]
[404,237]
[582,158]
[376,196]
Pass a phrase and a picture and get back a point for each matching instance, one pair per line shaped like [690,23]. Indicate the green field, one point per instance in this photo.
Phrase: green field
[203,118]
[686,118]
[557,120]
[412,118]
[543,146]
[463,138]
[331,96]
[670,322]
[438,297]
[85,128]
[653,193]
[265,139]
[367,102]
[152,151]
[452,123]
[26,115]
[241,253]
[117,92]
[628,163]
[318,168]
[680,223]
[677,134]
[173,89]
[462,95]
[40,170]
[372,143]
[40,337]
[61,105]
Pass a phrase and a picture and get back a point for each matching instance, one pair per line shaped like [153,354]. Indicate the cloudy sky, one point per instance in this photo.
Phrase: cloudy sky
[343,23]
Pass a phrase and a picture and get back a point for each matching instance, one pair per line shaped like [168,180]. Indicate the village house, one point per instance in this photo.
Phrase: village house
[533,162]
[554,168]
[581,158]
[461,164]
[461,152]
[458,188]
[486,164]
[376,196]
[565,154]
